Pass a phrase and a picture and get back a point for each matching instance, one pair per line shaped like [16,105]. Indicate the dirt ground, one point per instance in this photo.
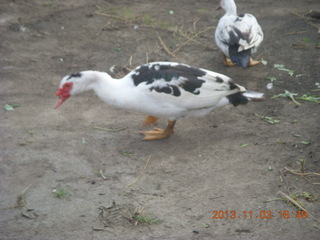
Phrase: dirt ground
[83,172]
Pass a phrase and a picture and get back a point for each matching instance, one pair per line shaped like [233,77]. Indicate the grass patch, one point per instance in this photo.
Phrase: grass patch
[139,217]
[60,192]
[267,119]
[310,98]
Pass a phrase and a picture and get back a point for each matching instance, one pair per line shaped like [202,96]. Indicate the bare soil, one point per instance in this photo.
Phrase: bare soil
[83,171]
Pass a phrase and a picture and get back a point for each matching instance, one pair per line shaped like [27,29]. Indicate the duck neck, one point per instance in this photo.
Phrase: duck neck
[107,88]
[229,6]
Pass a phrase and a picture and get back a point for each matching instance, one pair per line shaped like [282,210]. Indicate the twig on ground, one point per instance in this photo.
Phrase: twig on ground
[301,173]
[192,38]
[285,181]
[21,199]
[293,33]
[108,129]
[102,174]
[295,203]
[140,175]
[306,20]
[166,48]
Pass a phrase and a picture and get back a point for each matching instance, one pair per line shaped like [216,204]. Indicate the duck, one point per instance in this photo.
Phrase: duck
[237,36]
[168,90]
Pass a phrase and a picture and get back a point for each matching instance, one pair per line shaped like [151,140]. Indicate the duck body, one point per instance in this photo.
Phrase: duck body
[161,89]
[238,36]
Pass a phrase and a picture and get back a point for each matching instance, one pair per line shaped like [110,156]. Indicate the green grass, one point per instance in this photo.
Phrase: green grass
[289,95]
[281,67]
[60,192]
[145,219]
[310,98]
[267,119]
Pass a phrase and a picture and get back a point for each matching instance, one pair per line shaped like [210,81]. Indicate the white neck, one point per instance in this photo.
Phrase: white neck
[107,88]
[229,6]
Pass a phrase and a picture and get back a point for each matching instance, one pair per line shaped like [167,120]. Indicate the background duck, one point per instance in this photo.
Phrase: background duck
[168,90]
[238,36]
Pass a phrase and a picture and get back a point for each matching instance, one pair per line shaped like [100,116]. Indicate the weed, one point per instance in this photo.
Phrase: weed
[306,40]
[267,119]
[289,95]
[244,145]
[145,219]
[148,20]
[264,62]
[303,162]
[310,98]
[138,216]
[60,192]
[281,67]
[272,79]
[10,107]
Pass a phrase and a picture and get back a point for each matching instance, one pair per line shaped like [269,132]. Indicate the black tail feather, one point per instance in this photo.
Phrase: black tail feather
[242,58]
[244,97]
[237,99]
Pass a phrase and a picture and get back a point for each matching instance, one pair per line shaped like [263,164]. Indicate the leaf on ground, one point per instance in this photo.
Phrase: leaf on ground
[272,79]
[310,98]
[244,145]
[281,67]
[267,119]
[264,62]
[289,95]
[10,107]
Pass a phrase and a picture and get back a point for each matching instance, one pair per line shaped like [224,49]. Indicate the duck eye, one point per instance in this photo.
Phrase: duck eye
[67,85]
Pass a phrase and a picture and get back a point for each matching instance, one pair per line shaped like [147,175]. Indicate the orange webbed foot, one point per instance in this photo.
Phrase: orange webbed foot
[159,133]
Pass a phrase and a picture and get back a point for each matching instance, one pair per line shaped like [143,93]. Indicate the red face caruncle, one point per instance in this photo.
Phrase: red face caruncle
[63,93]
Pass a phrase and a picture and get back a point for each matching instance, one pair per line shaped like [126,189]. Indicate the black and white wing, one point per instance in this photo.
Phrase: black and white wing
[183,85]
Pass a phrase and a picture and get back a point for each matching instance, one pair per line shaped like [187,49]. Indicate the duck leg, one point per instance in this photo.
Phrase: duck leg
[158,133]
[150,120]
[227,61]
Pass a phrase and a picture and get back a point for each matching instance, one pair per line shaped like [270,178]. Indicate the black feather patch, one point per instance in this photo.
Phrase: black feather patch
[237,99]
[219,80]
[74,75]
[240,58]
[233,85]
[151,73]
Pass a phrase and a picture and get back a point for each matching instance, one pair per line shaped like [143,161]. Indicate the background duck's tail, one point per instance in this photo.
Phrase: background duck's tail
[241,58]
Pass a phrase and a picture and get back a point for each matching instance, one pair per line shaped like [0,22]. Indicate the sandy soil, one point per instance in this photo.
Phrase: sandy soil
[63,177]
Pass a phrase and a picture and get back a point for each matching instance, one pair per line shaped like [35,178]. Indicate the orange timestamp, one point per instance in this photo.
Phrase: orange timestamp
[263,214]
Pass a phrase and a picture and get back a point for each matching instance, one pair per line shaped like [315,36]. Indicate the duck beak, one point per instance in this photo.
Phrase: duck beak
[61,99]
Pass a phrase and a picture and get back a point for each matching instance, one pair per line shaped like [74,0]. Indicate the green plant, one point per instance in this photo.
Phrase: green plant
[145,219]
[289,95]
[281,67]
[60,192]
